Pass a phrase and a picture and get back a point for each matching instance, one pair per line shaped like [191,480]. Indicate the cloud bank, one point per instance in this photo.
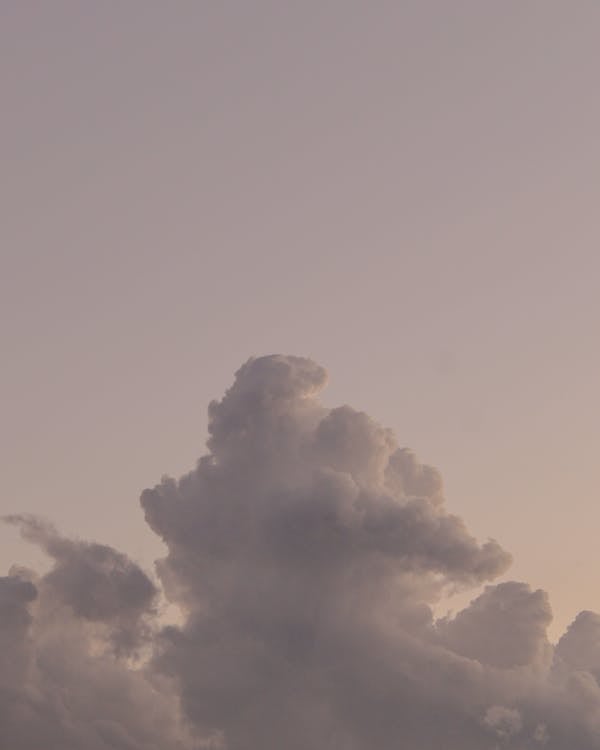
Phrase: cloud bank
[306,551]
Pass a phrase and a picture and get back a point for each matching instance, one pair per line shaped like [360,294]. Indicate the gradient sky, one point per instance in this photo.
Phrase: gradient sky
[404,191]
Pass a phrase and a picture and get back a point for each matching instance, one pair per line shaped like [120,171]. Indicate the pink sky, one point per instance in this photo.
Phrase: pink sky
[406,192]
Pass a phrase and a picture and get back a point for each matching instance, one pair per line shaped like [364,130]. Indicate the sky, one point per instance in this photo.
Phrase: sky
[405,192]
[401,198]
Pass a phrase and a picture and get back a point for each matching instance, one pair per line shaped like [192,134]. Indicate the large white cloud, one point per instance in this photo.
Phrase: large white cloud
[306,551]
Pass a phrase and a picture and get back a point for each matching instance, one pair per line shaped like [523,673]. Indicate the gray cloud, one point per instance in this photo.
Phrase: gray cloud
[579,647]
[504,627]
[307,551]
[99,584]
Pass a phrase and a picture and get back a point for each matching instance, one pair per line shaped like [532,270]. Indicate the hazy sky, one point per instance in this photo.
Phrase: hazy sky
[404,191]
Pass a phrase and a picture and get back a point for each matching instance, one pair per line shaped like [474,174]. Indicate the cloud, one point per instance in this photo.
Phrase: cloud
[98,584]
[504,722]
[68,641]
[579,647]
[504,627]
[307,551]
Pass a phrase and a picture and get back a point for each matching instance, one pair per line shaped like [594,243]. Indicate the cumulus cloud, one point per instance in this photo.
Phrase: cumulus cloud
[68,677]
[504,627]
[504,722]
[307,551]
[96,583]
